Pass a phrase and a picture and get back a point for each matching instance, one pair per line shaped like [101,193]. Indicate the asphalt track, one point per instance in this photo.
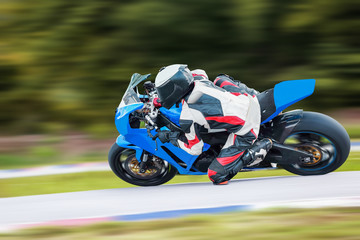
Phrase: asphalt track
[141,203]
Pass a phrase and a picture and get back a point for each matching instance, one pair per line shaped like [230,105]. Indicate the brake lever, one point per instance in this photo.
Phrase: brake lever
[155,136]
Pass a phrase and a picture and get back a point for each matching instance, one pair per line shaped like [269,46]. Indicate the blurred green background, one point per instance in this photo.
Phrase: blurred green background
[65,64]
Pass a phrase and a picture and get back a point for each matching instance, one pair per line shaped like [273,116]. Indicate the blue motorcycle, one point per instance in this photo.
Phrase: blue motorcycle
[305,143]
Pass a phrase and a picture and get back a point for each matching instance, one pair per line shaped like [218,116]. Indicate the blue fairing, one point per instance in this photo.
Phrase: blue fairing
[121,142]
[134,137]
[289,92]
[173,113]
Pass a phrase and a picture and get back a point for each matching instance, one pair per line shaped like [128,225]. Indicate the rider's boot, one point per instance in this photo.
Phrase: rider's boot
[254,155]
[257,152]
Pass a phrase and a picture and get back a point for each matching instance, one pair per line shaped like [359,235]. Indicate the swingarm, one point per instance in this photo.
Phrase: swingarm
[288,155]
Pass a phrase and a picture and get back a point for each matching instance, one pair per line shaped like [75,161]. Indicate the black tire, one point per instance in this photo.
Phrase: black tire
[115,156]
[317,124]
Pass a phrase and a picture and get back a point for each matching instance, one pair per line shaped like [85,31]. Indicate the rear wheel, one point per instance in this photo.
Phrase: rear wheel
[324,138]
[125,165]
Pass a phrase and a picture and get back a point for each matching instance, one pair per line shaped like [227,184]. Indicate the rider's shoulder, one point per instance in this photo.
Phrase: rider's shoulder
[199,74]
[206,85]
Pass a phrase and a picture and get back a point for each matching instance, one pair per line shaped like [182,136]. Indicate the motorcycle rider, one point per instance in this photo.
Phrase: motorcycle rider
[224,104]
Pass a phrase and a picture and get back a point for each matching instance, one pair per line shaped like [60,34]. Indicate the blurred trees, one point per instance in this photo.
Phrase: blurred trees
[65,64]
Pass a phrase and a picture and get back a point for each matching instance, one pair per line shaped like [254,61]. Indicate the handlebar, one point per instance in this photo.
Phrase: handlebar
[153,105]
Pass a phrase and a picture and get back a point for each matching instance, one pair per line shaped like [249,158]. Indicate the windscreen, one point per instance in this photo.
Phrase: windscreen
[131,95]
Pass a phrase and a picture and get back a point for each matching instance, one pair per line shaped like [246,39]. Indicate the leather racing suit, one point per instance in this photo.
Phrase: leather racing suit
[224,104]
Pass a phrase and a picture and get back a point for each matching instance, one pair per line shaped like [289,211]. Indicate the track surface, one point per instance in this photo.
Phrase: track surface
[130,201]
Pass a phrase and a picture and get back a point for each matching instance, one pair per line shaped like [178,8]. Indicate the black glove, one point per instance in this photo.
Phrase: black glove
[164,136]
[168,136]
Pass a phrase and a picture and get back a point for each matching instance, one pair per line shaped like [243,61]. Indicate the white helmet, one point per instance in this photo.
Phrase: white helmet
[172,83]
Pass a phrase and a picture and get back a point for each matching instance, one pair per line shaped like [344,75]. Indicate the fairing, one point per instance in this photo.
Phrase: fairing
[289,92]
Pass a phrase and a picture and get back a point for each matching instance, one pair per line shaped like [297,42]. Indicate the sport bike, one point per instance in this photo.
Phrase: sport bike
[305,143]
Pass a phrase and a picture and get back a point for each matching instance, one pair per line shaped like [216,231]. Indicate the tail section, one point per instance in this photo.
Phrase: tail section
[289,92]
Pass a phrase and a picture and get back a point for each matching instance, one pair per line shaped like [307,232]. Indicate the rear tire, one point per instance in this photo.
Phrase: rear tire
[121,161]
[316,129]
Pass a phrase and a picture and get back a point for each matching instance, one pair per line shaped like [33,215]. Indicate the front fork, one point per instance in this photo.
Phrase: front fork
[143,162]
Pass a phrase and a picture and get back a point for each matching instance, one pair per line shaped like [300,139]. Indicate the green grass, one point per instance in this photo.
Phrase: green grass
[323,223]
[105,180]
[46,156]
[353,130]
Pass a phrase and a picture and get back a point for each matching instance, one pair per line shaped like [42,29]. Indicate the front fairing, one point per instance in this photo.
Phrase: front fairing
[122,117]
[173,114]
[138,138]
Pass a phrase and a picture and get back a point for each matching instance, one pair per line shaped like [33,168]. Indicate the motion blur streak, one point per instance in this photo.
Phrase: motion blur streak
[63,63]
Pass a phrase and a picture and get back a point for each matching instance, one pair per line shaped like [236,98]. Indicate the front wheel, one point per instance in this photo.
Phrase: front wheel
[125,165]
[324,138]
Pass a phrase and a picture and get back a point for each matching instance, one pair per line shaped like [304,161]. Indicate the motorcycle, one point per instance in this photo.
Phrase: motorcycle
[305,143]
